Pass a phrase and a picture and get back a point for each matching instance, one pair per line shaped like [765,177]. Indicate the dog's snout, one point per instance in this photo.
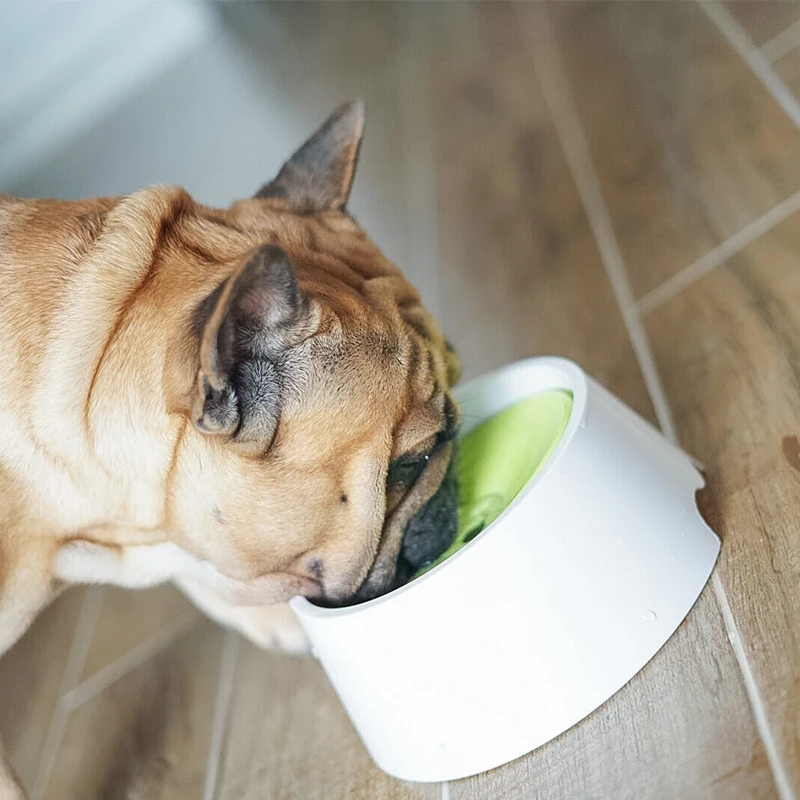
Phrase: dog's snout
[432,529]
[427,534]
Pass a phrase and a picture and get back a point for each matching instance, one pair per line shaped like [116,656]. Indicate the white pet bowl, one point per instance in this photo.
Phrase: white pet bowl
[543,616]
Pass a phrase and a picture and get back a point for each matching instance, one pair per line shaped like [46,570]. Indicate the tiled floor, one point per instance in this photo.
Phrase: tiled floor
[614,182]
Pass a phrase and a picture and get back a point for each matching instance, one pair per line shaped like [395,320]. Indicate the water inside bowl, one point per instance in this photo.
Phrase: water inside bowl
[500,456]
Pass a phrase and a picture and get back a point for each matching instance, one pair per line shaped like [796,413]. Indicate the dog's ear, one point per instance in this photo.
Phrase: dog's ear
[245,325]
[319,176]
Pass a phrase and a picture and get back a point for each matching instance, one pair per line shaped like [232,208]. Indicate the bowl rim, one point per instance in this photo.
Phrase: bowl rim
[554,373]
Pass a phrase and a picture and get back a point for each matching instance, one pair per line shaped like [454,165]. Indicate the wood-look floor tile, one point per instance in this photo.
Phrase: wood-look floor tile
[728,350]
[520,272]
[148,734]
[30,677]
[764,19]
[289,739]
[688,146]
[689,693]
[130,618]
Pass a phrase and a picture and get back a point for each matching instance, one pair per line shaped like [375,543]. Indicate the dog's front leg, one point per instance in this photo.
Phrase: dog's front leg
[131,566]
[252,607]
[271,627]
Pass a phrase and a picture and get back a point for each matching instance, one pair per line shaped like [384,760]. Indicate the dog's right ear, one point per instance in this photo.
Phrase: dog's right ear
[247,322]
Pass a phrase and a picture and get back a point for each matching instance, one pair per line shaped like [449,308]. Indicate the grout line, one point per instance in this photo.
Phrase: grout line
[551,76]
[445,790]
[76,658]
[127,662]
[741,42]
[413,81]
[779,772]
[780,44]
[718,255]
[222,705]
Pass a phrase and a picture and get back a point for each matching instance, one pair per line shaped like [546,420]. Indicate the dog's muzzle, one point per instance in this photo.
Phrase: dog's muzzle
[420,529]
[431,530]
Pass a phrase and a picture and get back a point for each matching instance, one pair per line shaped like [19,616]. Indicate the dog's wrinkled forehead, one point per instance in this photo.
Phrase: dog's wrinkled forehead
[316,315]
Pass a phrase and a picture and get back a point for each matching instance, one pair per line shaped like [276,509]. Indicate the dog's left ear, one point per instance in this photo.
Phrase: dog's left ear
[319,176]
[247,324]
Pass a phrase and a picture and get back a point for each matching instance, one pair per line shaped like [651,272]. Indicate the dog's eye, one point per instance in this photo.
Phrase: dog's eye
[406,469]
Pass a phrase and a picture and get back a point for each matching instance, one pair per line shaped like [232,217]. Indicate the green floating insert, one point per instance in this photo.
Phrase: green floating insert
[499,457]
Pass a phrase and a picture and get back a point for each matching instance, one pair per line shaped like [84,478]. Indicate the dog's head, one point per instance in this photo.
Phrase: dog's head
[319,455]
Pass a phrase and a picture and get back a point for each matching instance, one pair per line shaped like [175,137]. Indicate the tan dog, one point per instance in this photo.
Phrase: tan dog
[251,402]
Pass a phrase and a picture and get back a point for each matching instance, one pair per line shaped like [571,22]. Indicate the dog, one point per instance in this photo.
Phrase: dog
[253,403]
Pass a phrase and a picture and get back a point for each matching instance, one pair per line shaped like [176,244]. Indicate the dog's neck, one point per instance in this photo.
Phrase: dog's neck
[98,444]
